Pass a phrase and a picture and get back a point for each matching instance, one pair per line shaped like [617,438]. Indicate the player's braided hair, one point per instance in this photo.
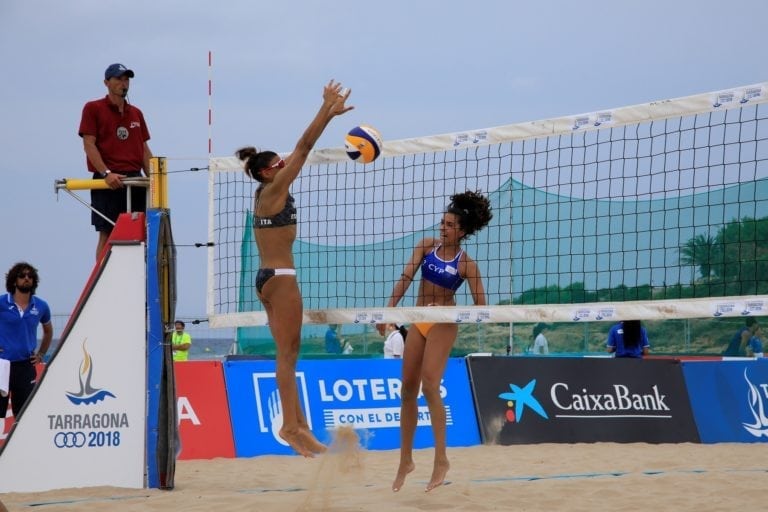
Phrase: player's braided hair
[473,210]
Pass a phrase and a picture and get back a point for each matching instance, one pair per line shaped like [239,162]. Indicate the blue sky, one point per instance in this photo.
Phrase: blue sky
[415,67]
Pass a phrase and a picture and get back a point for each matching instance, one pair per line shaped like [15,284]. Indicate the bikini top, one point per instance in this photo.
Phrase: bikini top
[440,272]
[285,217]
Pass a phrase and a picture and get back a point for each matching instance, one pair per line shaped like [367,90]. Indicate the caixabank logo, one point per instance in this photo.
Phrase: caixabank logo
[618,401]
[520,398]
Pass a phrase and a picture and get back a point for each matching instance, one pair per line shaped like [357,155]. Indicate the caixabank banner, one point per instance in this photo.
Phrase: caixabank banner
[729,400]
[360,393]
[578,400]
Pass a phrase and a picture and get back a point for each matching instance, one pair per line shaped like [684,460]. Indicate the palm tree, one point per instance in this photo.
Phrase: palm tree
[700,251]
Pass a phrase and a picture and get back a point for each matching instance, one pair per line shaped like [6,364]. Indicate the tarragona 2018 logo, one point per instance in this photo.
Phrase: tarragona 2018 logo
[518,399]
[87,394]
[757,396]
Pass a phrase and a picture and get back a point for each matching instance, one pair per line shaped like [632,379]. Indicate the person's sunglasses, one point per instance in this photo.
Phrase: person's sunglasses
[277,165]
[28,274]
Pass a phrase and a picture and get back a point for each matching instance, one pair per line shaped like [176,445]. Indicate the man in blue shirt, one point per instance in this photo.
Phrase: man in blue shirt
[333,344]
[755,343]
[628,339]
[20,313]
[738,345]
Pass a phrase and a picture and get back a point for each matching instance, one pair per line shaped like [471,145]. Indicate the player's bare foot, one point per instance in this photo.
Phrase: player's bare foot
[310,441]
[402,472]
[295,440]
[438,475]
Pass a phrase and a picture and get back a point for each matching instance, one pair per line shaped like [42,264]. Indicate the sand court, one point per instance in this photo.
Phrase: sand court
[545,477]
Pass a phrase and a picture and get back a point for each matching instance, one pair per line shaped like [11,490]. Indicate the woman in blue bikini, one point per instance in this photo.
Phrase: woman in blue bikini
[274,229]
[444,267]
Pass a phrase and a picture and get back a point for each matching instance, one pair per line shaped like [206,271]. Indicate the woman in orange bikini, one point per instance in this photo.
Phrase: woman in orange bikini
[274,227]
[444,267]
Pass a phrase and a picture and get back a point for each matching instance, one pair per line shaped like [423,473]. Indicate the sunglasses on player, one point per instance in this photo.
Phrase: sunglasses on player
[277,165]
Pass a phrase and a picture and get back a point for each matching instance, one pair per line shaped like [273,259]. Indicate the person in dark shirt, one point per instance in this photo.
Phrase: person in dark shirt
[333,343]
[115,137]
[628,339]
[738,345]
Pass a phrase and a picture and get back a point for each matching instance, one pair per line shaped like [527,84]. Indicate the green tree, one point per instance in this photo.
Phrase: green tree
[744,246]
[701,251]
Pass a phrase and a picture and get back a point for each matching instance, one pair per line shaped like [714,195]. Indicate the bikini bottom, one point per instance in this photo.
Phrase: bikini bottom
[424,327]
[265,274]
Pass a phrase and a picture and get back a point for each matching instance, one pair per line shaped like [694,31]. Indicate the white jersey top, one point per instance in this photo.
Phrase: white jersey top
[394,345]
[540,345]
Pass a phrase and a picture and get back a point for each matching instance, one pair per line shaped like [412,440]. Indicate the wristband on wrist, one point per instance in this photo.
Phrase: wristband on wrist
[106,173]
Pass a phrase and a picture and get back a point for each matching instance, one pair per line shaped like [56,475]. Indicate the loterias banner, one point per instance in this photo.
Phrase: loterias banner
[577,400]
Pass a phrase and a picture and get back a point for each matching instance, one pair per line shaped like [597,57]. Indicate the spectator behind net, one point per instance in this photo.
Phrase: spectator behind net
[628,339]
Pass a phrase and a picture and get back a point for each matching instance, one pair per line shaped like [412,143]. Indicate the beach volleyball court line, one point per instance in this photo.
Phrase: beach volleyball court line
[82,500]
[565,476]
[260,490]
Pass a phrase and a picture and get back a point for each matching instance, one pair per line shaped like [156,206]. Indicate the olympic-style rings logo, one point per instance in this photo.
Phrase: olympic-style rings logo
[69,440]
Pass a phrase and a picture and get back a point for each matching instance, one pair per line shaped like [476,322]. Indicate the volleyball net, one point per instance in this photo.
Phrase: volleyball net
[653,211]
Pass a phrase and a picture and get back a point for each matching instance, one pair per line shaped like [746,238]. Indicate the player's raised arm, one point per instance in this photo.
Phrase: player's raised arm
[334,104]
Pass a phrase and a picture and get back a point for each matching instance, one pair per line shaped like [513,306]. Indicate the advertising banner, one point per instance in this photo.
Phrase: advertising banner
[85,424]
[204,425]
[360,393]
[729,400]
[581,400]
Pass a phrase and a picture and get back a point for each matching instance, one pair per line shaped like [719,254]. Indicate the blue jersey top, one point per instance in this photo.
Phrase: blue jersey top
[755,344]
[332,342]
[442,273]
[616,340]
[734,347]
[18,330]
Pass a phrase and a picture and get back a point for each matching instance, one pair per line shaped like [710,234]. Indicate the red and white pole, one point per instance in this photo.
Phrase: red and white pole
[210,107]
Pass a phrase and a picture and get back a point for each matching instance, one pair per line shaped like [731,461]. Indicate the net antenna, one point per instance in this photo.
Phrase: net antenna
[650,211]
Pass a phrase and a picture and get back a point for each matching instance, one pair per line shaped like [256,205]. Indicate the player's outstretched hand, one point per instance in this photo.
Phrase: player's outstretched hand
[335,96]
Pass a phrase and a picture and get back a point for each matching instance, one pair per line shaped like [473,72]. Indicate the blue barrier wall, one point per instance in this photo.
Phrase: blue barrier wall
[729,400]
[510,400]
[363,394]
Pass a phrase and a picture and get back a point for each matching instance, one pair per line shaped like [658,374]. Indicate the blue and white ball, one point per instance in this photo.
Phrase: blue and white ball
[363,144]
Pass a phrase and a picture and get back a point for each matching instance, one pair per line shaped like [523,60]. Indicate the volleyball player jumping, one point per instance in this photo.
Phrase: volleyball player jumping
[274,227]
[444,267]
